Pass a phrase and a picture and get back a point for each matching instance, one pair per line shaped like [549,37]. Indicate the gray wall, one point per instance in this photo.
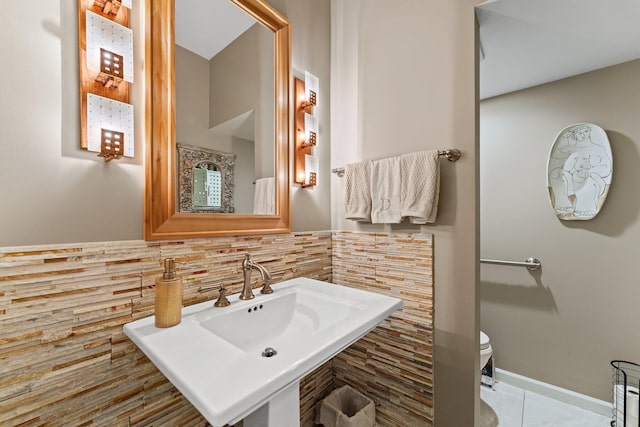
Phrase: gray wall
[403,80]
[244,176]
[192,102]
[192,125]
[564,325]
[241,79]
[236,75]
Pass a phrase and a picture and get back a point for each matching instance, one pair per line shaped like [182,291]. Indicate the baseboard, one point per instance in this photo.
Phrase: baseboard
[561,394]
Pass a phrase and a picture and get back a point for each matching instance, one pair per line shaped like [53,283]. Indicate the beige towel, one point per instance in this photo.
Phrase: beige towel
[357,194]
[420,188]
[264,196]
[385,191]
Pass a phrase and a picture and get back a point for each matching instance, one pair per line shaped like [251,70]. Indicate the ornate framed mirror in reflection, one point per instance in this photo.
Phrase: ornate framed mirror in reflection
[205,180]
[219,164]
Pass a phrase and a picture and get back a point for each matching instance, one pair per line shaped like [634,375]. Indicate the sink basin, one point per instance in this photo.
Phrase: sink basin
[215,356]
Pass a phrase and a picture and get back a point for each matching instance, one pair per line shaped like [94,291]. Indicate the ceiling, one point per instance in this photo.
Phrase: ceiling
[205,27]
[525,43]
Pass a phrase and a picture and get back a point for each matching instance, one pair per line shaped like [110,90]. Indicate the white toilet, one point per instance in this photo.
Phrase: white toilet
[485,349]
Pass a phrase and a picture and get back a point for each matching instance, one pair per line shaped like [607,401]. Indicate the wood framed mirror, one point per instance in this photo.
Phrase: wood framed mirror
[162,218]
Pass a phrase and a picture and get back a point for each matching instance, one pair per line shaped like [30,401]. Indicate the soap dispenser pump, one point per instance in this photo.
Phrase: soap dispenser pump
[168,297]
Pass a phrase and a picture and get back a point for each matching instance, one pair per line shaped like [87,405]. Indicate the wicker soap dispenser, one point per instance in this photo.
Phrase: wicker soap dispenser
[168,297]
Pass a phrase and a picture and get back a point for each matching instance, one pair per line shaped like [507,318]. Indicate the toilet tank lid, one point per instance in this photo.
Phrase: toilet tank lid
[484,340]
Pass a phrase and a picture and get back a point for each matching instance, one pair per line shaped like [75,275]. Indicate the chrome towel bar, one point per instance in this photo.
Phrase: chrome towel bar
[531,263]
[451,154]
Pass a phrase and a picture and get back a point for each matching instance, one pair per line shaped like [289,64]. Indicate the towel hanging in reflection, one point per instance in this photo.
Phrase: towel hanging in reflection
[264,196]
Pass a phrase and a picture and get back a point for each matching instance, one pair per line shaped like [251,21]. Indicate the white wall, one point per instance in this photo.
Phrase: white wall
[403,79]
[51,191]
[565,324]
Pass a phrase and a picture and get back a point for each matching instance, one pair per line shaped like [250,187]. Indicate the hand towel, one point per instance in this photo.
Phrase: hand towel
[385,191]
[420,190]
[357,194]
[264,197]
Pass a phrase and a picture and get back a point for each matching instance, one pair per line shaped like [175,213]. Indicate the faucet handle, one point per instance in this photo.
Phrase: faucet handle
[266,289]
[222,300]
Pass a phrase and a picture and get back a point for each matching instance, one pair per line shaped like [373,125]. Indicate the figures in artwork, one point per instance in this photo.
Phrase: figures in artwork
[579,172]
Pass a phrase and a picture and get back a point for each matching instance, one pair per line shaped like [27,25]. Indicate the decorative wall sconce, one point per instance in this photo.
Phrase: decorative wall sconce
[106,119]
[111,7]
[306,135]
[310,130]
[312,87]
[111,144]
[111,68]
[311,170]
[106,72]
[108,6]
[109,50]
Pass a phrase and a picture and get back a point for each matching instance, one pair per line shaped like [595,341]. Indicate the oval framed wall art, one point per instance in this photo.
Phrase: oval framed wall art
[579,171]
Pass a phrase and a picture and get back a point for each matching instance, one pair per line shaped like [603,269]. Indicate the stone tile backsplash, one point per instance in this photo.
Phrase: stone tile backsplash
[65,360]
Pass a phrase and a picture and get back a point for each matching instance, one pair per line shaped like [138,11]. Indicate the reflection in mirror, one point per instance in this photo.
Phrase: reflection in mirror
[224,73]
[206,181]
[163,219]
[207,186]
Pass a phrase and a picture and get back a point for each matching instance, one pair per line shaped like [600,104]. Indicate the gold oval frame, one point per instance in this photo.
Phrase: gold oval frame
[161,218]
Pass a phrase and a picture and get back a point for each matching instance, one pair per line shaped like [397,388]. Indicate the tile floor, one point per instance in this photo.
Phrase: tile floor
[509,406]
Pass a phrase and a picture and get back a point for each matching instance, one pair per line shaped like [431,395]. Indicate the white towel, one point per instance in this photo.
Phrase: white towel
[420,186]
[385,191]
[264,197]
[357,194]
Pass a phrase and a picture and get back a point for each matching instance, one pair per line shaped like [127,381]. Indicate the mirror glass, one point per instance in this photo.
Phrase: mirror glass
[207,186]
[217,134]
[224,85]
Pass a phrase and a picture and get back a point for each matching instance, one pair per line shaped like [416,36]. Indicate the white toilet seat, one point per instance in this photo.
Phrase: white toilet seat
[485,349]
[484,341]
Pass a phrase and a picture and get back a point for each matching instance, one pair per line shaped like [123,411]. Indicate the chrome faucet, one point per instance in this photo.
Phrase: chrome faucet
[247,266]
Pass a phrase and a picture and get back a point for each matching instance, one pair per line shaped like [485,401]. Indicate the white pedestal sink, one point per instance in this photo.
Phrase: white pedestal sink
[282,410]
[218,357]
